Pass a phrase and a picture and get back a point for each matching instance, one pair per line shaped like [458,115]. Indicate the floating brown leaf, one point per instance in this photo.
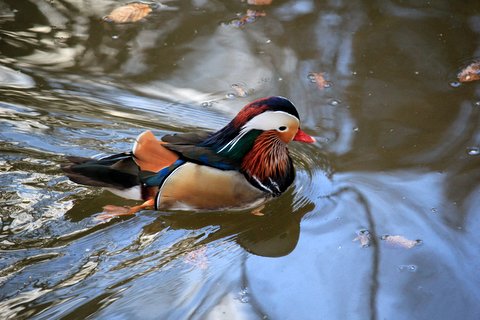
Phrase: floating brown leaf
[319,79]
[470,72]
[260,2]
[400,241]
[131,12]
[250,17]
[255,13]
[364,237]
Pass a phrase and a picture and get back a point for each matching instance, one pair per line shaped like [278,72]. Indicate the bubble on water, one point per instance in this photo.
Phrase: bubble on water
[243,295]
[473,151]
[268,41]
[434,210]
[115,37]
[311,77]
[207,104]
[241,90]
[334,102]
[477,104]
[455,84]
[356,129]
[407,267]
[230,95]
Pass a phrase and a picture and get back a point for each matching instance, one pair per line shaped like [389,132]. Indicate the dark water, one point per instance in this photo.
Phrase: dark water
[397,154]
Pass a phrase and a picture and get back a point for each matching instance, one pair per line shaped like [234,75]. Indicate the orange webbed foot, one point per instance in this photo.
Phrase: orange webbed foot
[112,211]
[258,211]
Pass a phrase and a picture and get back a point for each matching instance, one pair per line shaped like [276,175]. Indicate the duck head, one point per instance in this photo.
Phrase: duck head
[276,115]
[257,138]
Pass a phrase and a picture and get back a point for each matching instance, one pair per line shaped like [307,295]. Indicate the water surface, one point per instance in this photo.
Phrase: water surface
[397,153]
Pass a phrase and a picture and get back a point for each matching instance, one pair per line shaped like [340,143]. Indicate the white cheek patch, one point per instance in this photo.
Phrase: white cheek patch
[269,120]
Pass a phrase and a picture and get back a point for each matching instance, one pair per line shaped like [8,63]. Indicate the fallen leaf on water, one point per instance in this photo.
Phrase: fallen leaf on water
[364,237]
[470,72]
[250,17]
[131,12]
[319,79]
[400,241]
[260,2]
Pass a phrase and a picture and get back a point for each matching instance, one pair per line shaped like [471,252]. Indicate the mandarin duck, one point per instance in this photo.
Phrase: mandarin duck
[239,166]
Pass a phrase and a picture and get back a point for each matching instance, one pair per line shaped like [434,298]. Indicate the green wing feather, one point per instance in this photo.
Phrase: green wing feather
[188,146]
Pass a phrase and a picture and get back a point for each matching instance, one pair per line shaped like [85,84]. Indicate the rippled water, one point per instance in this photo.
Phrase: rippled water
[397,154]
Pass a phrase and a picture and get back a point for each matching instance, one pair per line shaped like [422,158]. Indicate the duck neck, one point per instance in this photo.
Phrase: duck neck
[268,165]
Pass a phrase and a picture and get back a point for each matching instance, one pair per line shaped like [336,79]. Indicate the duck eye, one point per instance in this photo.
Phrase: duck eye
[282,128]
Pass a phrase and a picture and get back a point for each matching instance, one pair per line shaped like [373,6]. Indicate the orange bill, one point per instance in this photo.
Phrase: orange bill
[303,137]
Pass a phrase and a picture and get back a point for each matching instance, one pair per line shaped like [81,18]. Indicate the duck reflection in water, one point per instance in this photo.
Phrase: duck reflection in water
[274,234]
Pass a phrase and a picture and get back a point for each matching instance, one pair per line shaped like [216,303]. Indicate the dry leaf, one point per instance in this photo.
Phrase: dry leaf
[260,2]
[319,79]
[364,237]
[131,12]
[250,17]
[470,72]
[400,241]
[255,13]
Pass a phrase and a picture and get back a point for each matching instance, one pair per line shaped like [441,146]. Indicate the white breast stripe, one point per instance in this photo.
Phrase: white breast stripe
[274,184]
[264,187]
